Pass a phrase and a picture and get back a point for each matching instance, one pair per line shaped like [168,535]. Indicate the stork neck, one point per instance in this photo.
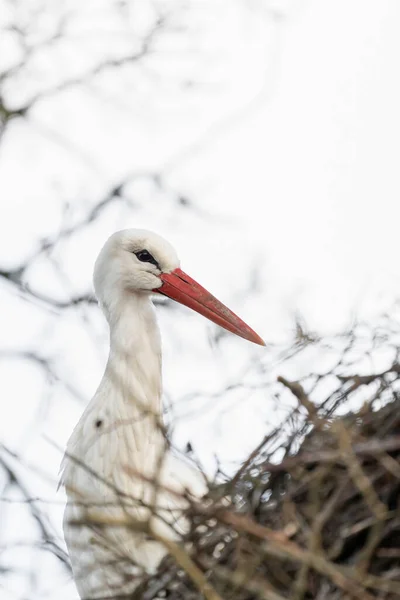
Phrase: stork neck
[134,364]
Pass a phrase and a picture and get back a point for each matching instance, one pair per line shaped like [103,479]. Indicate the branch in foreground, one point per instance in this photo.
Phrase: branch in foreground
[326,525]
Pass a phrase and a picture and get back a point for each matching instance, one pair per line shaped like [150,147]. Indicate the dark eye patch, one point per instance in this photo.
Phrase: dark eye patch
[145,256]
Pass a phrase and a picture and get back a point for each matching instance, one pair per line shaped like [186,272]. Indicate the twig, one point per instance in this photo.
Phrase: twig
[372,447]
[297,390]
[177,552]
[356,471]
[279,543]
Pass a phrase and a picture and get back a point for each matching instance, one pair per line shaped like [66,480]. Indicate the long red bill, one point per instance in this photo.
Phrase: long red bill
[182,288]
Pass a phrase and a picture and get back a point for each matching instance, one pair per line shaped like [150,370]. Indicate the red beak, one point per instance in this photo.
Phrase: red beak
[182,288]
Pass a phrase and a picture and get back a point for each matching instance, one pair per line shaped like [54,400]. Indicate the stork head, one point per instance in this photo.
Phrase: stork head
[136,261]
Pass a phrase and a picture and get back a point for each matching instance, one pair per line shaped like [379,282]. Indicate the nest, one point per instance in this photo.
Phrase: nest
[320,522]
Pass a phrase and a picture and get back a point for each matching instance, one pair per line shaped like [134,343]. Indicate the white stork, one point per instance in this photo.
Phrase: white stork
[119,436]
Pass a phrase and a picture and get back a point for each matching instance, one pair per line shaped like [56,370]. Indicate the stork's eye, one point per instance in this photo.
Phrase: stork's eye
[145,256]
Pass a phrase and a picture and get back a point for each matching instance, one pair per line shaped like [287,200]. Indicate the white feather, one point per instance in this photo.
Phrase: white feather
[119,433]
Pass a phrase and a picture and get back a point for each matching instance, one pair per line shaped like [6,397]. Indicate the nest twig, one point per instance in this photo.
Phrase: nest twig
[322,523]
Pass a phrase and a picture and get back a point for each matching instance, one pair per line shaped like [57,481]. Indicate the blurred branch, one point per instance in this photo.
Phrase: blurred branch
[47,536]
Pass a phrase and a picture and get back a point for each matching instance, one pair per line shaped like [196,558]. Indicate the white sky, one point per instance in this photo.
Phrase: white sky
[314,171]
[291,143]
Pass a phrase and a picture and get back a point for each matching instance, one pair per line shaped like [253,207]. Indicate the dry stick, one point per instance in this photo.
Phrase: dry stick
[297,390]
[390,464]
[356,471]
[365,486]
[241,579]
[373,447]
[289,548]
[381,584]
[292,550]
[373,540]
[176,551]
[314,538]
[185,562]
[283,545]
[359,380]
[389,553]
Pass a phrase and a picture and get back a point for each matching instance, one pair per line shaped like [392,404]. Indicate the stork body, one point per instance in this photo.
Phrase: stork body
[119,436]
